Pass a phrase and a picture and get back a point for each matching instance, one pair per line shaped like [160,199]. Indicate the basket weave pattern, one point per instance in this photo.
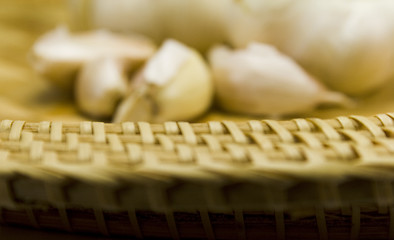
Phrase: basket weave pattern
[191,179]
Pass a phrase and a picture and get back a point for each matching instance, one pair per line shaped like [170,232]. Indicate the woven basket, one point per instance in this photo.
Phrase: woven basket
[297,179]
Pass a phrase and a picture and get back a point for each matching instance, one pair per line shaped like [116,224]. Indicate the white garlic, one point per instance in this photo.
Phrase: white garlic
[174,85]
[58,55]
[100,86]
[160,20]
[260,80]
[346,44]
[198,23]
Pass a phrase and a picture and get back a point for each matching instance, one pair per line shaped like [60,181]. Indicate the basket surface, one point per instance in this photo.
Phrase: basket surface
[203,180]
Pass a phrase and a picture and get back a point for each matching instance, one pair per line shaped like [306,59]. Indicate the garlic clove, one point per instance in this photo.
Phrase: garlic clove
[176,83]
[137,106]
[59,54]
[100,86]
[348,45]
[260,80]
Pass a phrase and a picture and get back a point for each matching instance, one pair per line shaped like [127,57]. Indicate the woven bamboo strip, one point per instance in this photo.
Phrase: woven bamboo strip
[307,165]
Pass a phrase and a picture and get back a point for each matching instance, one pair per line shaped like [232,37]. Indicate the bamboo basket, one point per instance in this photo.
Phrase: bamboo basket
[307,178]
[258,179]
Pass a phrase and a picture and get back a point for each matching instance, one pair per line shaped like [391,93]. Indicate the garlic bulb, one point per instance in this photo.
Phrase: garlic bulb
[100,86]
[174,85]
[137,16]
[198,23]
[346,44]
[260,80]
[59,55]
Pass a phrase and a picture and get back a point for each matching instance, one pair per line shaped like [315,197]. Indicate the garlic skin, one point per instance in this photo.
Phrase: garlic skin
[259,80]
[100,86]
[345,44]
[175,85]
[58,55]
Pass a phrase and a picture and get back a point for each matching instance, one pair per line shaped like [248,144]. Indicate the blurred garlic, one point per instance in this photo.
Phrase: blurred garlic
[260,80]
[346,44]
[160,20]
[174,85]
[58,55]
[198,23]
[100,86]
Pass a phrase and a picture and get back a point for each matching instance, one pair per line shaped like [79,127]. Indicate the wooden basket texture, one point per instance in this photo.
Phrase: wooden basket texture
[259,179]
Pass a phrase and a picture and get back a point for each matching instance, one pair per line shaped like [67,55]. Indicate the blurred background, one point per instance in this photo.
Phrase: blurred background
[26,96]
[23,94]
